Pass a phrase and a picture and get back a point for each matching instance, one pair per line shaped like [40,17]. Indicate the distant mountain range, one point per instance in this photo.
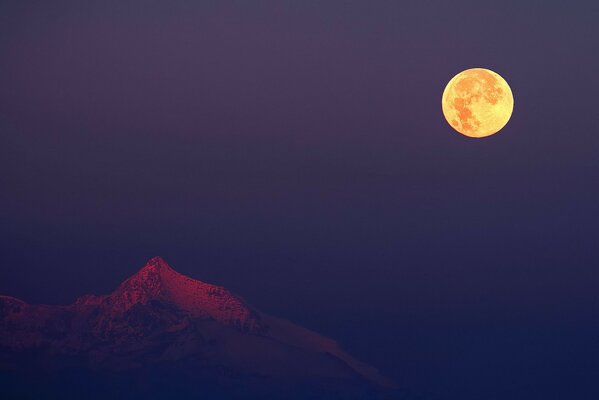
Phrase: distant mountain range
[161,334]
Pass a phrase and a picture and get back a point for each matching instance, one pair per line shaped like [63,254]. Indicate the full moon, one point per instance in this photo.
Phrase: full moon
[477,102]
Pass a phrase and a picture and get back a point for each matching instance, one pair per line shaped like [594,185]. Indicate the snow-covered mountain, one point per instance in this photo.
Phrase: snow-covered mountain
[160,320]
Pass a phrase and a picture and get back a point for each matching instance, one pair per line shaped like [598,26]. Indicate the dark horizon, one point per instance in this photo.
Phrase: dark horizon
[297,155]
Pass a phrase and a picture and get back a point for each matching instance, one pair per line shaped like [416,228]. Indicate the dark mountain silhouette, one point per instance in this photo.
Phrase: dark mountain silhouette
[161,334]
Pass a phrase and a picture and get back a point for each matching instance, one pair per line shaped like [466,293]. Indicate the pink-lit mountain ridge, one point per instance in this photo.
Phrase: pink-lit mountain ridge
[160,317]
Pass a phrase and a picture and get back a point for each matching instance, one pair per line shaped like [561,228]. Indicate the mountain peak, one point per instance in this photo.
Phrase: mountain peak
[158,263]
[157,281]
[151,277]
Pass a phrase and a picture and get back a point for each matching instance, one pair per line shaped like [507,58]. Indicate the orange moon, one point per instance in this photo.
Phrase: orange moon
[477,102]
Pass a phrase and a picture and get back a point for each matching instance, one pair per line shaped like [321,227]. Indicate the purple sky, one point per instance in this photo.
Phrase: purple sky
[295,152]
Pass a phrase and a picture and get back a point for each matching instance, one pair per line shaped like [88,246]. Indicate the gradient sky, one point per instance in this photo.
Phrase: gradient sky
[296,153]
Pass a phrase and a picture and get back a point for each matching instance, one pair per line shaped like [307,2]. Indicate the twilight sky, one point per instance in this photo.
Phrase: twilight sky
[296,153]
